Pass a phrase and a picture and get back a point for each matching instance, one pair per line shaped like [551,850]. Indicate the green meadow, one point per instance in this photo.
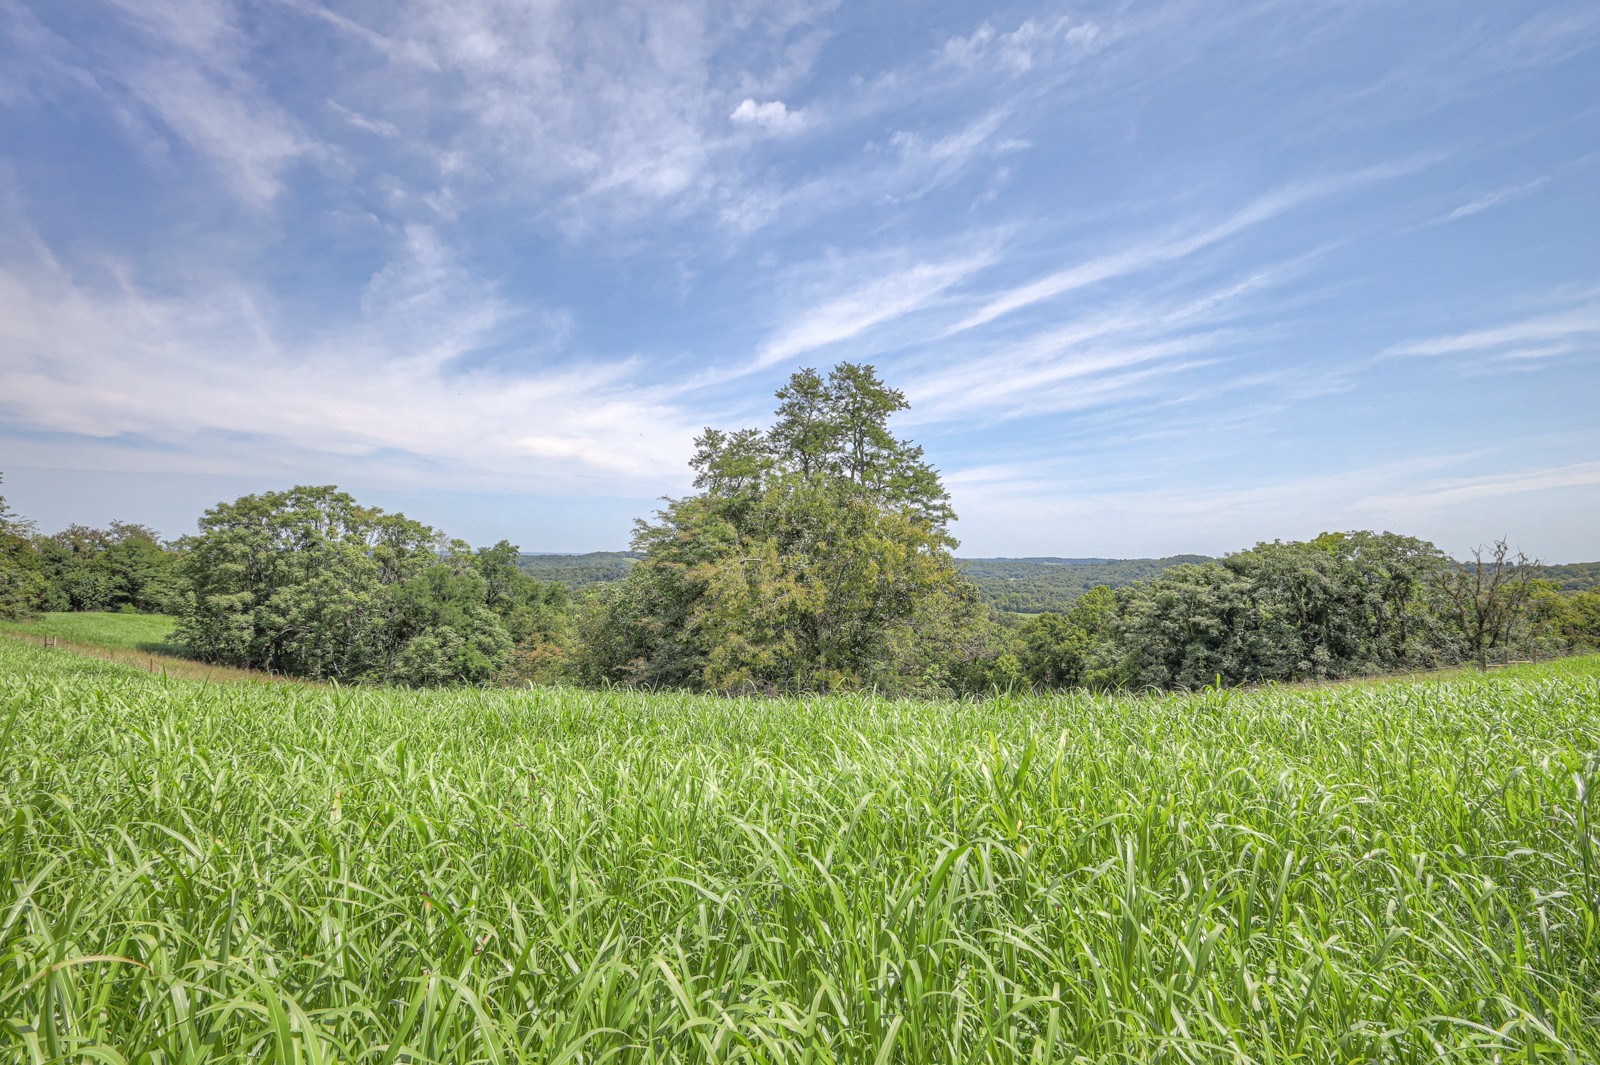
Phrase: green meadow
[1396,872]
[134,632]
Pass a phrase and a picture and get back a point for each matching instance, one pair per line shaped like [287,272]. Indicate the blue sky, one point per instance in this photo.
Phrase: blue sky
[1156,277]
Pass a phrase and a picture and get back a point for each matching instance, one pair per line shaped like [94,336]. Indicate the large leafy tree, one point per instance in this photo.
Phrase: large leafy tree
[536,616]
[296,581]
[1393,586]
[1058,650]
[816,555]
[309,582]
[1342,604]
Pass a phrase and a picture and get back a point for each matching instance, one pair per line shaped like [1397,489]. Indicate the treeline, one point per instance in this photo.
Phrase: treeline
[1344,604]
[123,568]
[309,583]
[813,555]
[1039,585]
[306,583]
[1013,585]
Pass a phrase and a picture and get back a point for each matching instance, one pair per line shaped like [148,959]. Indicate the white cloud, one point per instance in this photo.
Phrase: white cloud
[1548,351]
[1135,349]
[1547,37]
[398,387]
[641,112]
[50,65]
[1075,378]
[1143,256]
[904,168]
[362,122]
[1073,506]
[247,140]
[773,116]
[603,117]
[926,164]
[1032,43]
[1449,491]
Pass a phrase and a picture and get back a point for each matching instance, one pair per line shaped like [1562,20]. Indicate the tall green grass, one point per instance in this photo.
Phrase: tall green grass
[1400,873]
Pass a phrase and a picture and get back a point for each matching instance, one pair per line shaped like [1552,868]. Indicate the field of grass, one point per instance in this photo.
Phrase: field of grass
[281,873]
[136,632]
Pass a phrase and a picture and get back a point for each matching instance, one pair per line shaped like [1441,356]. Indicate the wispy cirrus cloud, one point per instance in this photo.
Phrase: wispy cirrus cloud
[615,114]
[1453,490]
[1569,327]
[53,63]
[1509,194]
[1129,515]
[1129,352]
[1149,253]
[1032,43]
[850,314]
[182,70]
[836,301]
[114,367]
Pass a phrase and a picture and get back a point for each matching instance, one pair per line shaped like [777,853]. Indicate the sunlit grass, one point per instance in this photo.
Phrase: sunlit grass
[1402,873]
[138,632]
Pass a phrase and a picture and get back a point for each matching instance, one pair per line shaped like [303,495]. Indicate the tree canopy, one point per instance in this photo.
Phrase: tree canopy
[816,554]
[124,567]
[1339,605]
[308,582]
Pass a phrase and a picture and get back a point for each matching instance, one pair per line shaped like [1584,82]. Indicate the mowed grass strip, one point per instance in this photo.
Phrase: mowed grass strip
[141,640]
[1397,873]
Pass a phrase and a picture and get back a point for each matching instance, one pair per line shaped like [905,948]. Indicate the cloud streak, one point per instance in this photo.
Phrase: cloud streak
[1579,325]
[128,369]
[1151,253]
[185,67]
[850,314]
[1494,199]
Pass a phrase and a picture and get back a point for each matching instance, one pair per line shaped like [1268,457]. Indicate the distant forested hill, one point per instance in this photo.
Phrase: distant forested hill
[1017,585]
[579,572]
[1035,585]
[1572,577]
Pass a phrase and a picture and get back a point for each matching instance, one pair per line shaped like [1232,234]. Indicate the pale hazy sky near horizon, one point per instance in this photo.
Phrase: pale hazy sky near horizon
[1157,277]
